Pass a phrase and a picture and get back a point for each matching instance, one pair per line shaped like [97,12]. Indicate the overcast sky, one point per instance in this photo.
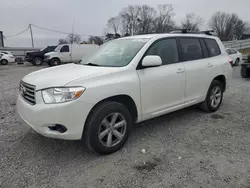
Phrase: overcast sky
[90,16]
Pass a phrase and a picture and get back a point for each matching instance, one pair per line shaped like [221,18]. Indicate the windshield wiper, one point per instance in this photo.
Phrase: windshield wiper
[92,64]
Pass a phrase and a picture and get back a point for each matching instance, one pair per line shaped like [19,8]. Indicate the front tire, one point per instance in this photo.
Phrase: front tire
[55,62]
[4,62]
[37,61]
[214,97]
[107,128]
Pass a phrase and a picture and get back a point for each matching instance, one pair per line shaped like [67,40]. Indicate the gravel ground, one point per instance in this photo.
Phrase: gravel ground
[187,148]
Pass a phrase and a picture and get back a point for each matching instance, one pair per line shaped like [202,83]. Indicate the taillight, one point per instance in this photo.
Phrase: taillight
[230,62]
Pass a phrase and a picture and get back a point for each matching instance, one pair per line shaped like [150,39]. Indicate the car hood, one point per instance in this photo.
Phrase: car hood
[62,75]
[32,52]
[50,53]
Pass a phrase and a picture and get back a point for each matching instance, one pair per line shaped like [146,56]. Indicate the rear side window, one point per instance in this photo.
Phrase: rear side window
[232,51]
[204,48]
[190,49]
[166,49]
[65,48]
[213,47]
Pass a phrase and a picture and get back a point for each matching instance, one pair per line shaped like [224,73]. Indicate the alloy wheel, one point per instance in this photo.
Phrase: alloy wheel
[112,130]
[215,97]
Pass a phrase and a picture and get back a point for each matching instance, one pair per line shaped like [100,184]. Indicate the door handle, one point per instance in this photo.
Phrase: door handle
[210,65]
[180,71]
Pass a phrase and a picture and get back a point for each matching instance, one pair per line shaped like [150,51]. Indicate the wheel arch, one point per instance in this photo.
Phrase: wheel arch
[124,99]
[222,79]
[3,60]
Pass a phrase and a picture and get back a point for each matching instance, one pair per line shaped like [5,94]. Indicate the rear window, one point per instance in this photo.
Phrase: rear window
[213,47]
[190,49]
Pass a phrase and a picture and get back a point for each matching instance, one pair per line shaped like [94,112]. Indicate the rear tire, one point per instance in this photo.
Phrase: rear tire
[55,62]
[37,61]
[107,118]
[4,62]
[214,97]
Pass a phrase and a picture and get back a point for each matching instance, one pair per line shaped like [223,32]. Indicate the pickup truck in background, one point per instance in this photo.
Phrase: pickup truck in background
[37,57]
[245,67]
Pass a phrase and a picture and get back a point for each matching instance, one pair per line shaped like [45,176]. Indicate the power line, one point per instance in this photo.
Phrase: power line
[56,31]
[18,33]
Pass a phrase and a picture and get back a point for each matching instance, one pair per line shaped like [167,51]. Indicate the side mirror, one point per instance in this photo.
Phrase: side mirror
[151,61]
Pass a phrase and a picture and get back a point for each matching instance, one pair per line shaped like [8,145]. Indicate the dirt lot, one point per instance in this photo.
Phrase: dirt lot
[187,148]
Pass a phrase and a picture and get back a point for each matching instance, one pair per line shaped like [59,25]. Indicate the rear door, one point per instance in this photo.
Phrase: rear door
[194,55]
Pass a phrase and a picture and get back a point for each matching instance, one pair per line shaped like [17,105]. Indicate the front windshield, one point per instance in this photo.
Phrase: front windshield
[43,49]
[57,48]
[116,53]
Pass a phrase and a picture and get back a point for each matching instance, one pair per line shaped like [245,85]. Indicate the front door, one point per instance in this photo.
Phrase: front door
[163,87]
[65,53]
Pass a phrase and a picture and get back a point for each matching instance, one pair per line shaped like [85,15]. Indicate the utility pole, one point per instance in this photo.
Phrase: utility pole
[73,27]
[31,34]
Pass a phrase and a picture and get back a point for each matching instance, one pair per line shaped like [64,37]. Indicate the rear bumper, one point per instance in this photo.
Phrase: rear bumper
[12,60]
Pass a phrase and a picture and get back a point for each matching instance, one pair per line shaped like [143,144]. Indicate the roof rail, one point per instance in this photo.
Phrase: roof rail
[206,32]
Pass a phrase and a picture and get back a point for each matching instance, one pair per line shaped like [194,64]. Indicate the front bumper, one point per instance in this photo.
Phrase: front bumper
[29,59]
[48,61]
[72,115]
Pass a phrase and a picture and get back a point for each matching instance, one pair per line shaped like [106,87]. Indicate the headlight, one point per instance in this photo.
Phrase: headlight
[60,95]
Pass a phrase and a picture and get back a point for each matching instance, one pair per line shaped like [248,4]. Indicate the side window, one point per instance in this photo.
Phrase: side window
[204,48]
[65,48]
[166,49]
[213,47]
[228,52]
[190,49]
[233,51]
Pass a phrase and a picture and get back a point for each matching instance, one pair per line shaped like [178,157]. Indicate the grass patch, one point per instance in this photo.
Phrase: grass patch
[245,51]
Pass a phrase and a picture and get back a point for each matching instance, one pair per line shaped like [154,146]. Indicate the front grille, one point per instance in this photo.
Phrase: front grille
[27,91]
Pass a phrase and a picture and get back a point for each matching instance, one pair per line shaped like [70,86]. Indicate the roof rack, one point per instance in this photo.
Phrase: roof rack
[206,32]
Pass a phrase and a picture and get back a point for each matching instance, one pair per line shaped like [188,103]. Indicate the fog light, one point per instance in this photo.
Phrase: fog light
[58,127]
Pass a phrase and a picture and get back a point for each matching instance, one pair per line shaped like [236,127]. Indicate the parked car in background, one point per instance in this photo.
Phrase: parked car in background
[66,53]
[37,57]
[235,56]
[6,52]
[6,57]
[126,81]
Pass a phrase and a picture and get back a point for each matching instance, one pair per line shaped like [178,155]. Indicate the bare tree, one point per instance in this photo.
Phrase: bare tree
[192,22]
[228,26]
[145,19]
[114,24]
[129,19]
[241,28]
[164,22]
[62,41]
[96,39]
[73,38]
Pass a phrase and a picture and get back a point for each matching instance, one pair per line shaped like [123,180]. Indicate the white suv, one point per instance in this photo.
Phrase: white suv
[128,80]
